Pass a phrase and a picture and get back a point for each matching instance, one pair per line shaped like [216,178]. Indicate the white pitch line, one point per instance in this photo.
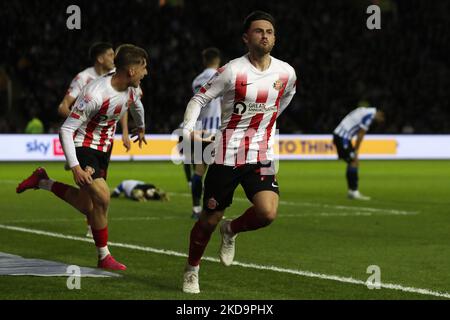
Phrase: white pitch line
[299,215]
[322,205]
[241,264]
[78,220]
[328,214]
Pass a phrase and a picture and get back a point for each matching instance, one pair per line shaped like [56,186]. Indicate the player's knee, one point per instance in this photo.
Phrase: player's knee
[354,162]
[209,221]
[101,201]
[86,208]
[267,214]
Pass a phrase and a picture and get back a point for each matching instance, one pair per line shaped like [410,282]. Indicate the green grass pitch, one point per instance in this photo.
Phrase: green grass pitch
[404,230]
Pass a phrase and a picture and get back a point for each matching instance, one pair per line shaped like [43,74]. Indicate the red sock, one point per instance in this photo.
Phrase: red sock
[100,237]
[198,242]
[59,189]
[248,221]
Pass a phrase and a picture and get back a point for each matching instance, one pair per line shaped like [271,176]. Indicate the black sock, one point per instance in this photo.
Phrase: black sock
[352,177]
[187,171]
[197,188]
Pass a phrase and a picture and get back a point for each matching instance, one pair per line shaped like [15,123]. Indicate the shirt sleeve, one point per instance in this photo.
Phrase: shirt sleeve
[215,87]
[75,87]
[289,92]
[119,189]
[84,109]
[366,121]
[137,110]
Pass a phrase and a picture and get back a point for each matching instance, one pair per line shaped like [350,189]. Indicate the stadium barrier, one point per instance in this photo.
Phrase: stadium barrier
[47,147]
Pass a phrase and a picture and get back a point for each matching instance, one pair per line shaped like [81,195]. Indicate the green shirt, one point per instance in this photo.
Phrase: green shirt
[34,126]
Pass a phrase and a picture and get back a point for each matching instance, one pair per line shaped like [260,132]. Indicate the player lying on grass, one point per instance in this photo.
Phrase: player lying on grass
[139,191]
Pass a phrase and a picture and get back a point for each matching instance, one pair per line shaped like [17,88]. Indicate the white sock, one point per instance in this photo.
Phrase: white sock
[46,184]
[102,252]
[231,233]
[192,268]
[197,209]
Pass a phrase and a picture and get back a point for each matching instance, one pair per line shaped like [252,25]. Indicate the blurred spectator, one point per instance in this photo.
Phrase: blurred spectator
[34,125]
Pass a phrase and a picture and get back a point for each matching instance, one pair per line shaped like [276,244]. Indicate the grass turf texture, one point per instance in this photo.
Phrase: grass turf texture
[317,230]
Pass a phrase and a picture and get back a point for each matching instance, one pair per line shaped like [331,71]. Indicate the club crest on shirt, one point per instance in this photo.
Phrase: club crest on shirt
[84,102]
[278,85]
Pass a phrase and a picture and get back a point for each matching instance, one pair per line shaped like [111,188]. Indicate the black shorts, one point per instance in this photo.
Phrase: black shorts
[221,181]
[145,187]
[345,149]
[97,160]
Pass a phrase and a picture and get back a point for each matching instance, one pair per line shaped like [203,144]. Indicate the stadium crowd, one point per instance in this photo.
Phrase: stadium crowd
[339,62]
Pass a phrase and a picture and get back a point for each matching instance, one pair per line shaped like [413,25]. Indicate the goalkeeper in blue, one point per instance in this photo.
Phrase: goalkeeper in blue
[356,123]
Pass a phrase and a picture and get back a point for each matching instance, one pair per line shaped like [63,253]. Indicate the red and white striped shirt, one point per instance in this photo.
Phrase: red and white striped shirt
[86,76]
[80,80]
[252,101]
[92,122]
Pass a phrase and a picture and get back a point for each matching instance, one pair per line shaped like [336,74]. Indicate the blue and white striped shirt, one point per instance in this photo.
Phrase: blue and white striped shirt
[360,118]
[210,116]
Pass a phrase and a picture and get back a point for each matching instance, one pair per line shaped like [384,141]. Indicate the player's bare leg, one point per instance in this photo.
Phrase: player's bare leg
[91,200]
[39,179]
[199,238]
[261,214]
[98,219]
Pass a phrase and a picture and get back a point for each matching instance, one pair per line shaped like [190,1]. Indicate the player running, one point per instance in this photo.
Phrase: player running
[102,56]
[207,124]
[255,88]
[356,123]
[86,138]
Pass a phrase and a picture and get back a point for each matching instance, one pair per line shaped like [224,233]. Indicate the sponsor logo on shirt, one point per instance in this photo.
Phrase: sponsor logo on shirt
[252,107]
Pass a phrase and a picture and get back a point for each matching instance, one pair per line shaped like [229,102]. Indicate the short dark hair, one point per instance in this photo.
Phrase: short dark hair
[97,49]
[209,54]
[128,54]
[258,15]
